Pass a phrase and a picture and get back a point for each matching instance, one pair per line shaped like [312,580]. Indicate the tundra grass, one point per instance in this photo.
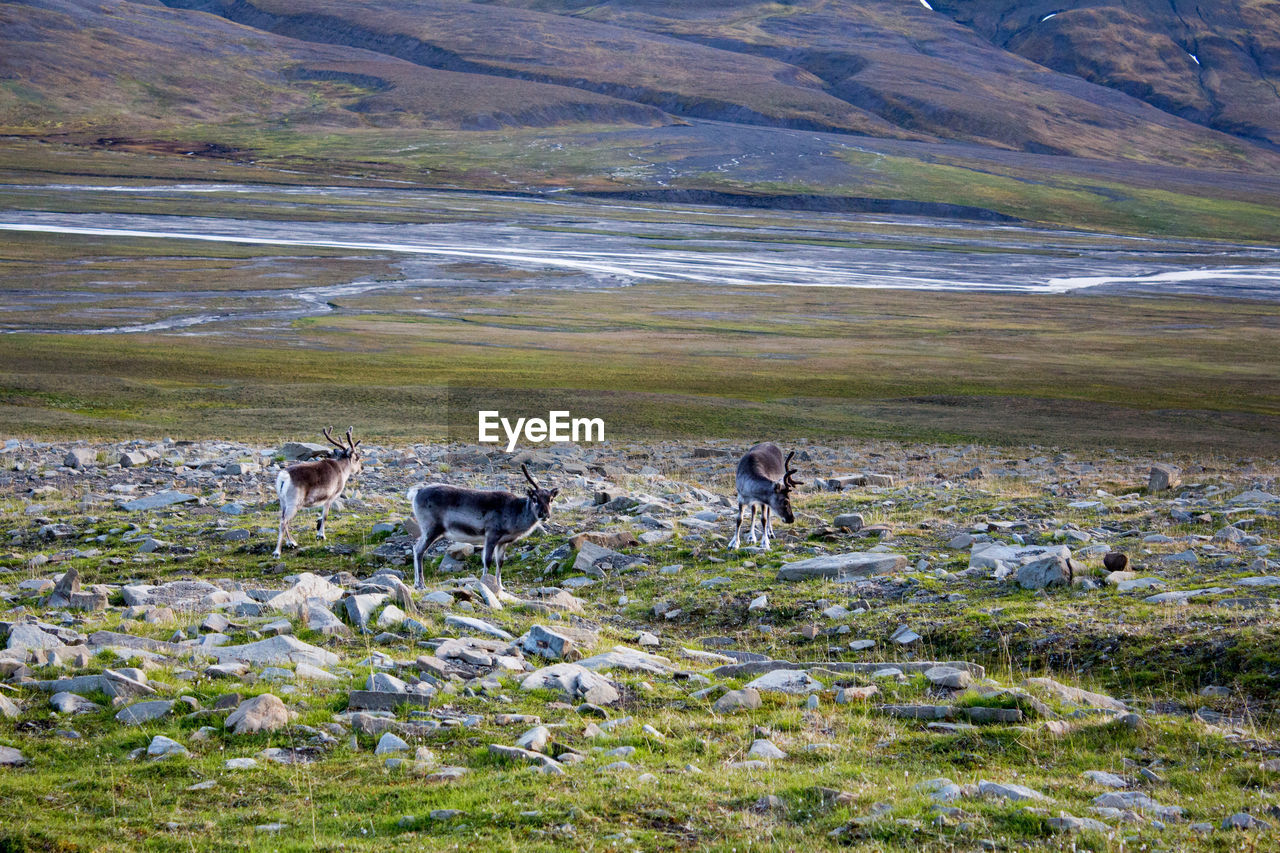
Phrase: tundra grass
[850,771]
[653,361]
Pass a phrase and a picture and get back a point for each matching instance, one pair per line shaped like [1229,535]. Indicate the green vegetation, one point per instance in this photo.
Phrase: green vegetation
[843,762]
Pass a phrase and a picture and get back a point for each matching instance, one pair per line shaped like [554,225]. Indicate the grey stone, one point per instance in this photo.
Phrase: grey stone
[81,457]
[1244,820]
[296,451]
[546,642]
[276,651]
[849,521]
[746,699]
[262,713]
[1163,477]
[360,608]
[28,638]
[535,739]
[10,757]
[1008,791]
[764,750]
[1071,823]
[795,682]
[1052,570]
[1076,695]
[1255,496]
[293,600]
[842,567]
[318,617]
[162,746]
[621,657]
[390,743]
[1106,779]
[949,676]
[365,700]
[1004,559]
[8,708]
[160,500]
[72,703]
[144,712]
[382,682]
[478,625]
[575,680]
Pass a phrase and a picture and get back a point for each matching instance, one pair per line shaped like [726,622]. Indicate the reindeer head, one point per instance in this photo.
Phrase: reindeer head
[782,491]
[541,497]
[346,451]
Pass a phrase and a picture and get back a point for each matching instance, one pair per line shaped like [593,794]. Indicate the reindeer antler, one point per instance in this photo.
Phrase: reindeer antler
[336,444]
[528,476]
[354,445]
[789,478]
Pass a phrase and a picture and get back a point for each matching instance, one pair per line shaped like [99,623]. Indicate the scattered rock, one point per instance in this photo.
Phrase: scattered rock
[842,567]
[263,713]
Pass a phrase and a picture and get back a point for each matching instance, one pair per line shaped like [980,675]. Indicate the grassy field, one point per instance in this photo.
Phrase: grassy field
[653,361]
[851,770]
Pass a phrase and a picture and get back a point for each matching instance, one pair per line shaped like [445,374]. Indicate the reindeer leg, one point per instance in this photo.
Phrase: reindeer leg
[501,557]
[490,549]
[766,525]
[425,541]
[324,516]
[287,511]
[736,541]
[754,540]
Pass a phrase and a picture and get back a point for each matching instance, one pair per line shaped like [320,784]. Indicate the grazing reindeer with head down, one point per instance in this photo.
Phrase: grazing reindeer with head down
[310,483]
[765,480]
[492,518]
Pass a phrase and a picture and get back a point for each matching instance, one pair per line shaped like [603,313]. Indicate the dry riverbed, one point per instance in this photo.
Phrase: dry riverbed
[943,651]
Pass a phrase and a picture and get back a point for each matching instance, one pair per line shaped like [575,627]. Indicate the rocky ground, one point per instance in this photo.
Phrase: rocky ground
[952,647]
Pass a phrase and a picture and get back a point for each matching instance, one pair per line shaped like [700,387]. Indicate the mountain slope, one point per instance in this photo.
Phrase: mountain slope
[923,72]
[1216,63]
[674,75]
[122,65]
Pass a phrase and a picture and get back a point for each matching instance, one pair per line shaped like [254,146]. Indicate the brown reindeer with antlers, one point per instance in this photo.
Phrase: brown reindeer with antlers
[764,480]
[311,483]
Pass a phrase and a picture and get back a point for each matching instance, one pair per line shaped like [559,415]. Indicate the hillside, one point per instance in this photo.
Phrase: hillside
[923,72]
[123,66]
[1213,63]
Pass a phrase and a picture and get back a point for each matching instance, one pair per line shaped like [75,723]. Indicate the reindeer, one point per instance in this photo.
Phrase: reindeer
[492,518]
[764,480]
[310,483]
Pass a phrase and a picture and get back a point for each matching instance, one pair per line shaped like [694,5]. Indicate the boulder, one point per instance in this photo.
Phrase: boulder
[477,625]
[160,500]
[621,657]
[1005,559]
[575,680]
[949,677]
[746,699]
[298,451]
[263,713]
[81,457]
[841,567]
[276,651]
[293,600]
[1076,695]
[795,682]
[1053,570]
[144,712]
[360,608]
[10,757]
[546,642]
[1163,477]
[24,637]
